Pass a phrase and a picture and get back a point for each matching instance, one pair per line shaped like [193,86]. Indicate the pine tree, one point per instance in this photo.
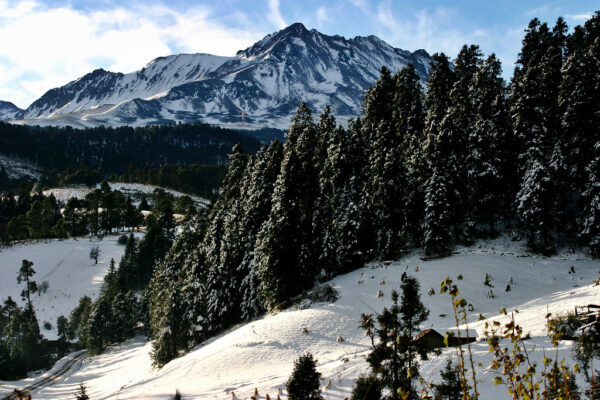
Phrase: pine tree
[533,202]
[452,139]
[92,208]
[579,101]
[24,341]
[437,237]
[536,123]
[304,383]
[75,222]
[125,313]
[590,226]
[393,357]
[25,273]
[98,328]
[450,388]
[62,327]
[562,384]
[172,320]
[367,387]
[488,163]
[376,134]
[81,393]
[286,261]
[257,206]
[279,241]
[437,185]
[127,266]
[409,121]
[79,318]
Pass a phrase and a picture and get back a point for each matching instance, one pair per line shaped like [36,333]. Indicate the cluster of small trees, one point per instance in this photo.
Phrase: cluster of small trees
[22,347]
[110,319]
[103,211]
[427,169]
[114,315]
[201,180]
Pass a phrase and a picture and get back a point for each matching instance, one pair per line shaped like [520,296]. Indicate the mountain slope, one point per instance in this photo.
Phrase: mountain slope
[264,83]
[101,87]
[9,111]
[260,354]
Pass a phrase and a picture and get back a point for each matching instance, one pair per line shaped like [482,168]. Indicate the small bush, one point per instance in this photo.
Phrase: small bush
[47,325]
[566,325]
[324,293]
[177,395]
[43,287]
[367,387]
[122,240]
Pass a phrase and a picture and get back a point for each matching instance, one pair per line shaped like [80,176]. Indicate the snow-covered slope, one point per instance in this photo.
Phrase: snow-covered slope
[17,169]
[101,87]
[260,354]
[135,190]
[264,82]
[9,111]
[66,266]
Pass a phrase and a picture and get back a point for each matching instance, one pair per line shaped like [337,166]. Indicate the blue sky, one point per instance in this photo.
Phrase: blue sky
[46,44]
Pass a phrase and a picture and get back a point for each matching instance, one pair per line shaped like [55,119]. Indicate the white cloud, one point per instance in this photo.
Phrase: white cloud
[579,17]
[322,16]
[440,29]
[435,30]
[275,15]
[44,47]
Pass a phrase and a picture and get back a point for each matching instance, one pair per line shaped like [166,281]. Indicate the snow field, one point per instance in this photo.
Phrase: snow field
[260,354]
[128,189]
[66,266]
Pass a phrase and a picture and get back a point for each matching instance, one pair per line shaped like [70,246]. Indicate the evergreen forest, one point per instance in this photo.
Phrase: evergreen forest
[466,157]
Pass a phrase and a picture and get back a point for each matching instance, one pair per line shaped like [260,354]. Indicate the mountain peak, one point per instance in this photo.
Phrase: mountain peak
[296,28]
[264,82]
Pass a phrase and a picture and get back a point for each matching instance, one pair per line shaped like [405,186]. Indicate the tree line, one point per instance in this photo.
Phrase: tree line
[113,149]
[102,211]
[467,158]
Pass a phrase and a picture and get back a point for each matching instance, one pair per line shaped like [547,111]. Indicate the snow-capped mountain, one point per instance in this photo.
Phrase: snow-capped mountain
[263,83]
[8,110]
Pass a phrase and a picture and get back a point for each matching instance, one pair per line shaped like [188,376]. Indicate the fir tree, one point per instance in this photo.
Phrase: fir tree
[81,393]
[79,318]
[98,328]
[62,327]
[126,274]
[409,120]
[590,226]
[257,206]
[533,202]
[367,387]
[436,218]
[452,139]
[450,388]
[124,310]
[437,237]
[171,328]
[284,255]
[488,162]
[25,273]
[304,383]
[393,358]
